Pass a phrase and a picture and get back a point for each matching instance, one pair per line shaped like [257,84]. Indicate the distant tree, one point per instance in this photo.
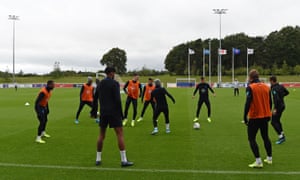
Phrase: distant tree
[116,58]
[297,69]
[21,73]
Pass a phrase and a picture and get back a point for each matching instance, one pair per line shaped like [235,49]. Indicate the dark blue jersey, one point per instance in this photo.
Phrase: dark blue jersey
[159,97]
[203,90]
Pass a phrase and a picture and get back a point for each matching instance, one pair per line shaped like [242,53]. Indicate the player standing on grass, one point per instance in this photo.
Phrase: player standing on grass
[146,98]
[108,92]
[236,90]
[203,88]
[278,92]
[42,110]
[257,114]
[86,97]
[158,95]
[133,89]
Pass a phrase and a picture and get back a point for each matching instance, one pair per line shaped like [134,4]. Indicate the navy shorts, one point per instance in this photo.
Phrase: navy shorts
[110,120]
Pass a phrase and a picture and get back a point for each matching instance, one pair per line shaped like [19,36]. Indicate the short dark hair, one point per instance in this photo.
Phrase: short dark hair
[50,82]
[109,70]
[202,78]
[150,79]
[253,74]
[273,79]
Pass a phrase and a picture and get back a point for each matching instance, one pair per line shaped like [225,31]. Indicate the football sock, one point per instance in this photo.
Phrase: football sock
[123,156]
[98,157]
[269,158]
[258,160]
[168,126]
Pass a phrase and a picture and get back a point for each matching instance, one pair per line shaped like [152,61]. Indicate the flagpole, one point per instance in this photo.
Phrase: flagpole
[203,66]
[232,64]
[209,62]
[247,66]
[189,66]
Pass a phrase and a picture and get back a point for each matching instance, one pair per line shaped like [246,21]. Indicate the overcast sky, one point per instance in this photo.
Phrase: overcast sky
[78,32]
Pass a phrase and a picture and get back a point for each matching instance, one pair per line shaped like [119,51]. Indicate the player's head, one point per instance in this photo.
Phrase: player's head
[50,84]
[157,83]
[273,80]
[135,77]
[150,81]
[253,75]
[89,80]
[110,72]
[202,79]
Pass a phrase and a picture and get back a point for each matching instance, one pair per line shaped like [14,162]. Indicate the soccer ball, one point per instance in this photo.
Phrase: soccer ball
[196,125]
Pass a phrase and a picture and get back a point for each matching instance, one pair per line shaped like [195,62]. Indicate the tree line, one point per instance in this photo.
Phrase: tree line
[277,53]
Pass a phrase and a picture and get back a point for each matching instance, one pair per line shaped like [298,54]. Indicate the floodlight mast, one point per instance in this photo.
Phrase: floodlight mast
[220,12]
[13,18]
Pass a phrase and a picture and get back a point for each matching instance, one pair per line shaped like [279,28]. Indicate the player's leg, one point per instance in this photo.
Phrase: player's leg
[277,125]
[44,134]
[81,104]
[252,130]
[146,103]
[265,136]
[127,104]
[207,103]
[155,119]
[103,126]
[41,127]
[167,120]
[134,104]
[153,107]
[238,91]
[199,105]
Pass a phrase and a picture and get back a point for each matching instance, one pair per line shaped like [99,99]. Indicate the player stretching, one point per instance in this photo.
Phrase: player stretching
[158,95]
[133,89]
[203,88]
[146,98]
[108,91]
[86,97]
[42,110]
[278,92]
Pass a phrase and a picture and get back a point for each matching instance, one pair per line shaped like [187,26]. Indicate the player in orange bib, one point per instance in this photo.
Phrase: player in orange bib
[146,98]
[257,114]
[42,110]
[133,89]
[86,97]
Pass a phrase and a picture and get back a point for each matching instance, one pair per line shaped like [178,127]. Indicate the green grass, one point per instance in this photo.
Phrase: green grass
[219,146]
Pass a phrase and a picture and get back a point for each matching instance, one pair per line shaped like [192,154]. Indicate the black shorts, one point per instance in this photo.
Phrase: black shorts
[110,120]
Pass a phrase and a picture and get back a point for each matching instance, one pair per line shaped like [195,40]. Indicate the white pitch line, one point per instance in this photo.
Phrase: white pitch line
[133,169]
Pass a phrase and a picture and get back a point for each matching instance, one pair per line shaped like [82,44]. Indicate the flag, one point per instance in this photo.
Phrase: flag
[206,51]
[236,51]
[191,51]
[250,51]
[222,51]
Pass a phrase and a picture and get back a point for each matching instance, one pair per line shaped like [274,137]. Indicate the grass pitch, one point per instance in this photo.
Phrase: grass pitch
[219,150]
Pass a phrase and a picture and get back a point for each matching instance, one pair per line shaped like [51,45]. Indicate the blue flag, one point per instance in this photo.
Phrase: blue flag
[206,51]
[236,51]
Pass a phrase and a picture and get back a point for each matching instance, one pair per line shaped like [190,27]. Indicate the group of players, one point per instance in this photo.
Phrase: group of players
[256,115]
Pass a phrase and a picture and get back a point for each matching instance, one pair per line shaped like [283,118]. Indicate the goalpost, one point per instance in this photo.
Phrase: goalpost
[185,82]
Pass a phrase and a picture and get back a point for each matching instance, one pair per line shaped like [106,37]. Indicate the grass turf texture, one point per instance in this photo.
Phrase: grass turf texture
[185,153]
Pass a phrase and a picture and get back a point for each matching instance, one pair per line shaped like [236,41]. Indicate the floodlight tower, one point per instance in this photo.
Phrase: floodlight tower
[220,12]
[14,18]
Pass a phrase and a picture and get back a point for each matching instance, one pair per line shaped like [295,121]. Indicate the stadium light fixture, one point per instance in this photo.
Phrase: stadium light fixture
[13,18]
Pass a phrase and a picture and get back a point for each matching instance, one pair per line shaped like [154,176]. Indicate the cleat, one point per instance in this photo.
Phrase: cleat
[97,120]
[132,123]
[40,141]
[98,163]
[196,120]
[268,161]
[168,131]
[127,163]
[209,120]
[124,122]
[140,119]
[256,165]
[46,135]
[280,140]
[76,121]
[155,131]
